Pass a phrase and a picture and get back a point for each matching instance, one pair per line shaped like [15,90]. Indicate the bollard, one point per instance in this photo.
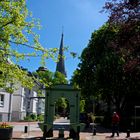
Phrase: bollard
[25,129]
[77,134]
[128,133]
[94,131]
[72,133]
[44,131]
[61,133]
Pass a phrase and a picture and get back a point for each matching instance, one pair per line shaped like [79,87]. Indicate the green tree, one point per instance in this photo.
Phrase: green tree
[59,78]
[101,72]
[95,58]
[125,15]
[109,67]
[44,76]
[16,26]
[49,79]
[61,105]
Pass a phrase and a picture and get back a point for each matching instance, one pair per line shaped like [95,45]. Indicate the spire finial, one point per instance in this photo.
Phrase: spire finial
[62,30]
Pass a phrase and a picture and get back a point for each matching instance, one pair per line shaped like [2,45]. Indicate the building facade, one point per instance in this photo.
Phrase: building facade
[5,105]
[16,106]
[23,102]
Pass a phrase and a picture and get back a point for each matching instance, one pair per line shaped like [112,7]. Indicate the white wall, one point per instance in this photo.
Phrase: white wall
[34,102]
[17,99]
[21,103]
[4,110]
[18,105]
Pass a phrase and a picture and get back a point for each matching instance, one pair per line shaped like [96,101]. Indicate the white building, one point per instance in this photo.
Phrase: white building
[5,105]
[30,101]
[14,107]
[27,103]
[18,105]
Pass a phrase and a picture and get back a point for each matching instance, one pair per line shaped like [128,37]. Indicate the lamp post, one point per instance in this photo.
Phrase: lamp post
[93,107]
[94,129]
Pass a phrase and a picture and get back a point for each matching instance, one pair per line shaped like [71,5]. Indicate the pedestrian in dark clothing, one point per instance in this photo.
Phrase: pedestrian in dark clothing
[115,124]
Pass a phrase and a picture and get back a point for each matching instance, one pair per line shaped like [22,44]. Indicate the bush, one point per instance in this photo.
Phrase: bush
[28,118]
[32,117]
[40,117]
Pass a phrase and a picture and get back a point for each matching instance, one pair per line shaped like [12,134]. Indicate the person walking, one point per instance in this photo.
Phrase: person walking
[115,124]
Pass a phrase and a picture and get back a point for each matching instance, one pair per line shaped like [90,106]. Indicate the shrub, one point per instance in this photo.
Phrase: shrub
[32,117]
[40,117]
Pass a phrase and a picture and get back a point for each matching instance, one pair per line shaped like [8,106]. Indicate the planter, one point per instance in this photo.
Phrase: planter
[6,133]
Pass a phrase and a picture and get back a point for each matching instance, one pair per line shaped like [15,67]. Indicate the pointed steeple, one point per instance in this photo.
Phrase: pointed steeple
[60,64]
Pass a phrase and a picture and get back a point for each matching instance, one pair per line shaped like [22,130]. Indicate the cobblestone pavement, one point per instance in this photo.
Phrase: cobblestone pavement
[101,134]
[34,135]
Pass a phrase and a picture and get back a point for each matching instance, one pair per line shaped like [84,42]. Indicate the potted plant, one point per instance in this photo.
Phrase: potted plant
[5,131]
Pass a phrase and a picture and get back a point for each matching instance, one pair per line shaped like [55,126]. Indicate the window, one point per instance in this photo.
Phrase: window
[1,99]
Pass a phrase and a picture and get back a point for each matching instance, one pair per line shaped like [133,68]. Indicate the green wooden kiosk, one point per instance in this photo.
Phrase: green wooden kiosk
[52,95]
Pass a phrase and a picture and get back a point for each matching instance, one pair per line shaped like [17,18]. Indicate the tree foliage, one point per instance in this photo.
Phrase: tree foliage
[110,64]
[62,103]
[16,33]
[59,78]
[48,78]
[125,14]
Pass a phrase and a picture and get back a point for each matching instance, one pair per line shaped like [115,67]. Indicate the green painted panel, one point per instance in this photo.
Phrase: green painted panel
[68,92]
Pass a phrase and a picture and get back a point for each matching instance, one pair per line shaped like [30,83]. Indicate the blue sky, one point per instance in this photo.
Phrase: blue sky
[79,19]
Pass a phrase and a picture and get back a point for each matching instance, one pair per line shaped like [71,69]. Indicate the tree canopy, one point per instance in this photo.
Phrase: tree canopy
[48,78]
[16,33]
[110,64]
[44,77]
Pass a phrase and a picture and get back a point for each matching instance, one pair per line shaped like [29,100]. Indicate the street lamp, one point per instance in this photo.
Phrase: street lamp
[93,103]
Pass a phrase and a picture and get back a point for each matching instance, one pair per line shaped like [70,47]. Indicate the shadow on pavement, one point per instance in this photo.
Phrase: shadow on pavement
[35,138]
[40,138]
[101,129]
[97,128]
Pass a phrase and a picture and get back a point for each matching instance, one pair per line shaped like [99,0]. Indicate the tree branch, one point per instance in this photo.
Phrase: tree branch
[27,46]
[25,55]
[7,23]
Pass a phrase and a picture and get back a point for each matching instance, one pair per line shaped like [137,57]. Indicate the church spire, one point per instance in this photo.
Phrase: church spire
[60,64]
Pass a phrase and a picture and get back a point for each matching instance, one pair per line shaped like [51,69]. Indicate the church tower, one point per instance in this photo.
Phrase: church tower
[61,64]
